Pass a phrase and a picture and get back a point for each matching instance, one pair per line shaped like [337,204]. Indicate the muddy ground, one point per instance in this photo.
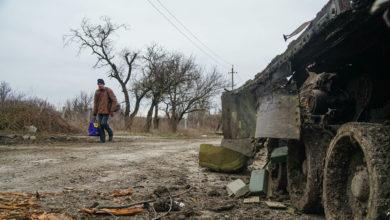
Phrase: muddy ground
[87,173]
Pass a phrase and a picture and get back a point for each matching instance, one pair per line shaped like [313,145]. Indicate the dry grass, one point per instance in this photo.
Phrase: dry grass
[18,115]
[164,130]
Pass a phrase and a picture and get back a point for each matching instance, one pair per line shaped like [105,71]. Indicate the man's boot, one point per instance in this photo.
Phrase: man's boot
[110,138]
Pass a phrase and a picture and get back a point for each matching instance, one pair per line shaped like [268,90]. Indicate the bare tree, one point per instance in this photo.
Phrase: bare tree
[97,38]
[190,90]
[5,91]
[79,105]
[10,96]
[140,90]
[156,72]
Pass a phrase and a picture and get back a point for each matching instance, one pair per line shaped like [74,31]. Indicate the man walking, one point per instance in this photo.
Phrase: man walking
[105,103]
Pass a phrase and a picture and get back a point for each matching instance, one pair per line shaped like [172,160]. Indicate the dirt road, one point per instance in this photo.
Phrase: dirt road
[86,173]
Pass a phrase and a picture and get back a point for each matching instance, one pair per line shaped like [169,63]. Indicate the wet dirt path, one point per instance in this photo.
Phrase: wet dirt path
[86,173]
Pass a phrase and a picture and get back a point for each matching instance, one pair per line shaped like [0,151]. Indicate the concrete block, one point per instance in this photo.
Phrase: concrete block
[237,188]
[279,155]
[259,182]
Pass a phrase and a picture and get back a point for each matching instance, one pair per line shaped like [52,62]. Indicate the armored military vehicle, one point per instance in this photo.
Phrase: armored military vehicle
[327,97]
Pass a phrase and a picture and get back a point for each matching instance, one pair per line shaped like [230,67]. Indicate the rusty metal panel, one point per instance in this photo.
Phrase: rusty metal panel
[278,116]
[239,114]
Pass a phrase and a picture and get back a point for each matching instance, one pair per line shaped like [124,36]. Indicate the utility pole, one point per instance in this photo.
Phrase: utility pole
[232,72]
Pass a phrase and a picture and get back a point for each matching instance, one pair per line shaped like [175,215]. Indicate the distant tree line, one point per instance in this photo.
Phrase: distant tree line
[170,81]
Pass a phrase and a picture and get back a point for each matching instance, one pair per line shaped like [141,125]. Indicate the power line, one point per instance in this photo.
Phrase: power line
[192,34]
[181,32]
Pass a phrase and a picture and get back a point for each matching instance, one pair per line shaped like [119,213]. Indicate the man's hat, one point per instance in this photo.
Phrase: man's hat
[101,81]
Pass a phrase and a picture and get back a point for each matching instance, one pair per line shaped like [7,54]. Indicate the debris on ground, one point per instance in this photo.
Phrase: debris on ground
[290,210]
[213,193]
[69,188]
[149,167]
[19,205]
[118,192]
[104,211]
[164,206]
[49,216]
[32,129]
[221,207]
[237,188]
[162,202]
[275,205]
[160,191]
[180,204]
[253,199]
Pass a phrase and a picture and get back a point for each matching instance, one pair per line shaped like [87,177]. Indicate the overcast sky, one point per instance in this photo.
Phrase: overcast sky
[34,60]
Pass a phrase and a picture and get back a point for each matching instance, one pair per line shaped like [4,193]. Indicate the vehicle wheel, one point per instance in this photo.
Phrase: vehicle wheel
[305,163]
[356,176]
[278,176]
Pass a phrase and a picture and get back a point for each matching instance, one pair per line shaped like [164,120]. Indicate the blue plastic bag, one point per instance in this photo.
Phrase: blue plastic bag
[93,129]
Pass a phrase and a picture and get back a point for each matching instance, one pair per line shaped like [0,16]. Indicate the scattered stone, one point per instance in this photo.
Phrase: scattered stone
[223,178]
[237,188]
[222,207]
[160,191]
[275,205]
[11,136]
[69,188]
[94,205]
[213,193]
[290,210]
[190,212]
[26,137]
[254,199]
[32,129]
[180,204]
[163,206]
[173,188]
[33,138]
[181,217]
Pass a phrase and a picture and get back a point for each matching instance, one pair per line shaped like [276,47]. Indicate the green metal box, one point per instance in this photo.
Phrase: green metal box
[259,182]
[237,188]
[279,155]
